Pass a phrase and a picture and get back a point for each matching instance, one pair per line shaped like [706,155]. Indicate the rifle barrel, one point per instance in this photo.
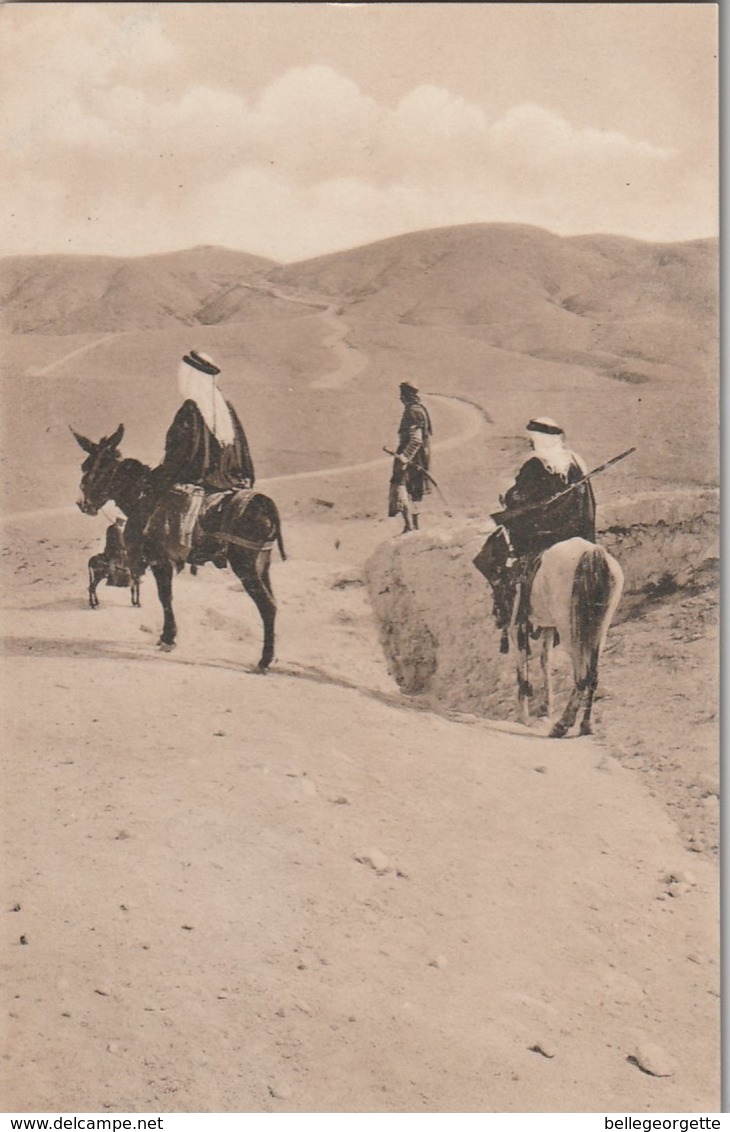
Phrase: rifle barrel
[502,516]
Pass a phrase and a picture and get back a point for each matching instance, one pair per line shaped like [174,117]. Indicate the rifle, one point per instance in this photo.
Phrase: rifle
[501,517]
[423,471]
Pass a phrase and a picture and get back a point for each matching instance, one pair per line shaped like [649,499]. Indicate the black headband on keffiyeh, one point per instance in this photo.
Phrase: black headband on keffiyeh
[546,426]
[199,361]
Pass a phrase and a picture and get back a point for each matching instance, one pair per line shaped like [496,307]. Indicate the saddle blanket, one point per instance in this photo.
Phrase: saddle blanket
[187,515]
[239,500]
[118,575]
[173,520]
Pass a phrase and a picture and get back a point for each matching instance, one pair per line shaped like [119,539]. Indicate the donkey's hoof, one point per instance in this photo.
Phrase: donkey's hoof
[585,729]
[558,731]
[166,646]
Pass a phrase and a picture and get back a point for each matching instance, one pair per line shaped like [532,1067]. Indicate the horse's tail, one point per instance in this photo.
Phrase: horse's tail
[593,591]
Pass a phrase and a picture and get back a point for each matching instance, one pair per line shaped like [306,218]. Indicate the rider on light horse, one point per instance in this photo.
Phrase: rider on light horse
[527,529]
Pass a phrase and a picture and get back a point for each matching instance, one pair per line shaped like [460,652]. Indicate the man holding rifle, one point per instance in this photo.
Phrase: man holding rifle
[547,474]
[410,480]
[551,500]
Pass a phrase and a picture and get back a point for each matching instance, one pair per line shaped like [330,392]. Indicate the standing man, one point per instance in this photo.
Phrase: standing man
[531,522]
[409,483]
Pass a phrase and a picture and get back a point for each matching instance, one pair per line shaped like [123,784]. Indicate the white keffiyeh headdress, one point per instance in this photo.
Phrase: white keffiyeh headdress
[196,379]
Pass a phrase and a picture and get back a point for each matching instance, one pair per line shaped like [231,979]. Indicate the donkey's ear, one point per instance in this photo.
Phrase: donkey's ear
[116,437]
[87,445]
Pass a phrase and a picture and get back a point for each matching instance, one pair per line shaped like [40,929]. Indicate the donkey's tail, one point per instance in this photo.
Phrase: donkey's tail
[593,590]
[276,518]
[280,542]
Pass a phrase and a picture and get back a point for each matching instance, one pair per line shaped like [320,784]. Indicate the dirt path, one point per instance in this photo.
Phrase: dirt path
[352,362]
[58,362]
[295,893]
[471,419]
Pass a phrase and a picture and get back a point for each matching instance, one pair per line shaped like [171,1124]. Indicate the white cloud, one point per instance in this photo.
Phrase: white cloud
[202,122]
[531,128]
[310,165]
[433,110]
[314,123]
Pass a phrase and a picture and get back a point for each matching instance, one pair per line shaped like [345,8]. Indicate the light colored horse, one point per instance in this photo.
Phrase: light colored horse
[575,592]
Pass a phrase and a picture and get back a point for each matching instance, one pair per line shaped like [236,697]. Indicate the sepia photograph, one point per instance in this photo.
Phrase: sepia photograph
[360,595]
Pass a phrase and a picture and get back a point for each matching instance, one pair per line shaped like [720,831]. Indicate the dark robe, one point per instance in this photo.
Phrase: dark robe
[194,455]
[575,515]
[115,548]
[415,448]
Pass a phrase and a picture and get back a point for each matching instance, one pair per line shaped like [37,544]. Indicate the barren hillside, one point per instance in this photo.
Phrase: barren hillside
[588,299]
[614,337]
[603,300]
[88,294]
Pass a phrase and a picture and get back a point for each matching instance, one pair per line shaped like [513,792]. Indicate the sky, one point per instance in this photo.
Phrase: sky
[294,130]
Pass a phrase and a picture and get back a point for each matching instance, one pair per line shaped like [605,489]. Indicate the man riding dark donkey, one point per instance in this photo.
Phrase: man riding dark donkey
[115,552]
[410,480]
[540,510]
[207,458]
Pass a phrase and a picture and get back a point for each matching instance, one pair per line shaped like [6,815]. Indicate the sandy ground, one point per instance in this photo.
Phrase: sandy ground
[301,893]
[304,892]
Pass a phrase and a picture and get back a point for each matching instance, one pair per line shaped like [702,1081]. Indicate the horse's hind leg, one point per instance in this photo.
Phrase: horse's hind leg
[524,687]
[548,639]
[524,695]
[134,588]
[567,719]
[583,692]
[592,678]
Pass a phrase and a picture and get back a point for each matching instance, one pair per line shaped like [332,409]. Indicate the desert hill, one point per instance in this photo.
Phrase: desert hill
[57,294]
[578,273]
[602,300]
[598,298]
[614,337]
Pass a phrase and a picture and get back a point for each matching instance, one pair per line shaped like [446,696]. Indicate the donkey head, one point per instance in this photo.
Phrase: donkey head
[98,470]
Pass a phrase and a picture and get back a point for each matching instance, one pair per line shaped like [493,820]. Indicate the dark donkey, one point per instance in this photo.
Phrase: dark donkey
[246,527]
[100,567]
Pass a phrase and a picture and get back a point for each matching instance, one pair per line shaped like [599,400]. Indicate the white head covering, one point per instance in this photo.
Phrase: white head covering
[196,379]
[548,441]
